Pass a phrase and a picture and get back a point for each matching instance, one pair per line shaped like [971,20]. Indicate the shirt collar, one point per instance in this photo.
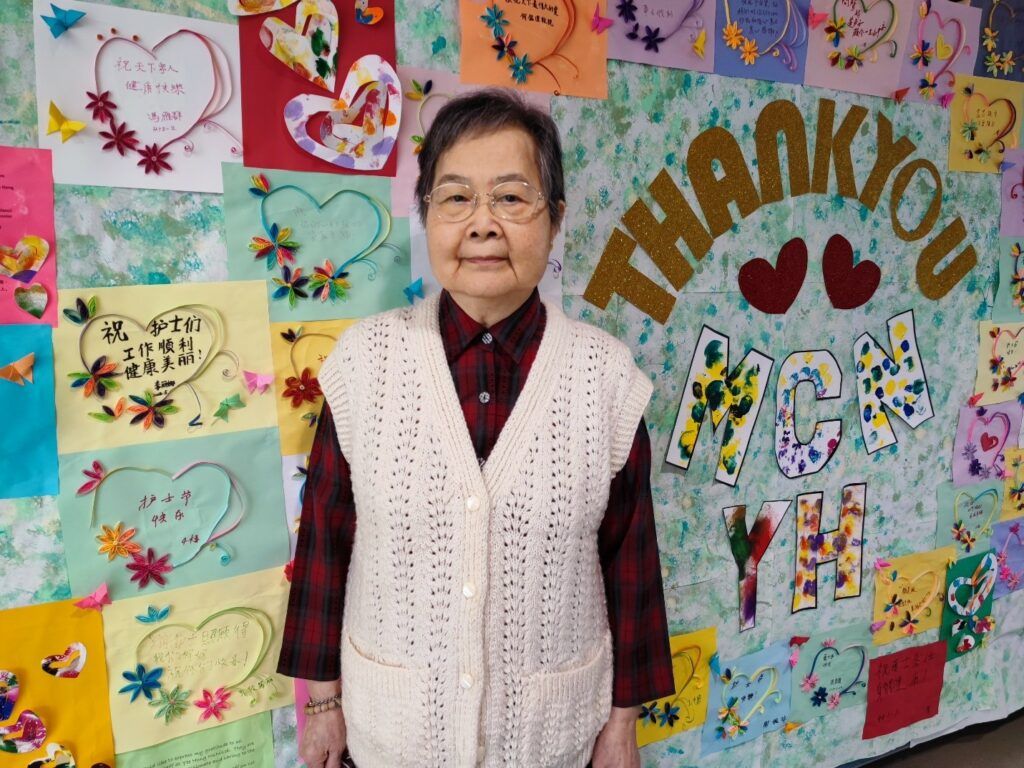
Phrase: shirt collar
[513,333]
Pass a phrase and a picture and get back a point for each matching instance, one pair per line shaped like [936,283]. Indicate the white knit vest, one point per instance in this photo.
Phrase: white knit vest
[475,627]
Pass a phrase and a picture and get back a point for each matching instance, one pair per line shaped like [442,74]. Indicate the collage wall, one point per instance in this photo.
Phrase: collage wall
[805,220]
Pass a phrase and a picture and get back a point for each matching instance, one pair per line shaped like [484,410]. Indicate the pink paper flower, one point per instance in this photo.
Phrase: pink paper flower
[213,704]
[809,682]
[828,643]
[833,700]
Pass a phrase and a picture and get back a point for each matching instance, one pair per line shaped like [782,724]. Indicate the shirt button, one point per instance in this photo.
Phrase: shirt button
[472,504]
[466,681]
[468,590]
[485,397]
[487,338]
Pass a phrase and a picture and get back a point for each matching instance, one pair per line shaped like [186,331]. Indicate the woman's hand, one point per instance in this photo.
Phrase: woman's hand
[616,744]
[323,740]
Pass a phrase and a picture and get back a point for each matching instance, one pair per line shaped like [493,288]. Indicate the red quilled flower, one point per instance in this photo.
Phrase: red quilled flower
[302,389]
[154,159]
[101,105]
[119,138]
[149,568]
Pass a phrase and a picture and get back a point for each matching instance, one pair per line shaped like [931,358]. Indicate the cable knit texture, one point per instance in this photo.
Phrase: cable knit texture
[475,629]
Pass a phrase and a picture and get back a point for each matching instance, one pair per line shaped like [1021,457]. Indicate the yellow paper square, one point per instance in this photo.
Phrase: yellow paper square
[917,582]
[232,325]
[1000,356]
[984,122]
[73,709]
[691,658]
[214,637]
[294,352]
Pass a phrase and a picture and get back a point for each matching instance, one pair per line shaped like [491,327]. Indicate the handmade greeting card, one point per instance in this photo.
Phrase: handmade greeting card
[904,688]
[909,594]
[129,98]
[748,698]
[856,46]
[148,363]
[26,392]
[967,515]
[28,245]
[1009,549]
[664,33]
[967,612]
[940,41]
[325,246]
[984,123]
[687,707]
[767,41]
[1000,360]
[550,46]
[1008,304]
[148,518]
[830,673]
[299,350]
[53,681]
[1013,485]
[320,92]
[206,656]
[1011,194]
[1002,39]
[983,435]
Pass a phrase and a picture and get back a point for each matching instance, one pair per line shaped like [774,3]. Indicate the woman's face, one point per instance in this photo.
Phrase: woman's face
[486,257]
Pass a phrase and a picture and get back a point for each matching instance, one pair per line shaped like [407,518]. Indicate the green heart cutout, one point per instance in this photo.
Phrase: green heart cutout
[33,299]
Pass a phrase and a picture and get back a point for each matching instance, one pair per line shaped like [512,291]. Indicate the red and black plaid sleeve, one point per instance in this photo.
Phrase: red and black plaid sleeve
[628,547]
[312,629]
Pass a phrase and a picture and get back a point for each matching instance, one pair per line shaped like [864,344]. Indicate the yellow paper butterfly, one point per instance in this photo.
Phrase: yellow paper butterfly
[698,46]
[58,122]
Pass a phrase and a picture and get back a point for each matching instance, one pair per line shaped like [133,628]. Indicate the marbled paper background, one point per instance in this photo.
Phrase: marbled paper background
[613,149]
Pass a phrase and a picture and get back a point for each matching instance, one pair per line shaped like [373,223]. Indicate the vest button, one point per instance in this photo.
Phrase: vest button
[472,504]
[485,397]
[468,590]
[466,680]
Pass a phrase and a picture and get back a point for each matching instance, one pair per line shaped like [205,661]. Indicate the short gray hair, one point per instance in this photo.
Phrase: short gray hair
[493,109]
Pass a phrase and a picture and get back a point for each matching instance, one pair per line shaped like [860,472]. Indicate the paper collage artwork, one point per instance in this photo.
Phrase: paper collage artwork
[1000,360]
[664,33]
[320,91]
[132,98]
[209,661]
[830,673]
[984,123]
[688,707]
[146,363]
[1002,39]
[941,42]
[1009,549]
[967,515]
[1013,485]
[28,245]
[909,594]
[155,517]
[767,41]
[983,435]
[52,675]
[967,614]
[547,46]
[749,697]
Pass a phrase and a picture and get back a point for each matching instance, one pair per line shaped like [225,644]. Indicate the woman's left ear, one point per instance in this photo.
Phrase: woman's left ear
[557,224]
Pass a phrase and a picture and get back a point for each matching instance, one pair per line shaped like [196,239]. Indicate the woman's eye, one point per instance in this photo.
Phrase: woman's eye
[510,199]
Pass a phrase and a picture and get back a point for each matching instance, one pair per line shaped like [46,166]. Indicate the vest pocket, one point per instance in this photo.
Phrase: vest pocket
[384,709]
[568,709]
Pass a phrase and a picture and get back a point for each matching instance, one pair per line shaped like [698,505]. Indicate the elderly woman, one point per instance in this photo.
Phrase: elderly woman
[500,601]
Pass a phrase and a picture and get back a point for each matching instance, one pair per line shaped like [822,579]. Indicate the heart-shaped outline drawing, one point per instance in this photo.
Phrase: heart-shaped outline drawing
[981,584]
[848,285]
[925,607]
[261,619]
[793,35]
[293,44]
[27,299]
[219,64]
[995,347]
[371,93]
[999,445]
[675,6]
[23,260]
[958,49]
[57,756]
[212,534]
[887,33]
[213,319]
[838,653]
[9,692]
[1001,133]
[68,664]
[759,705]
[986,527]
[683,653]
[772,288]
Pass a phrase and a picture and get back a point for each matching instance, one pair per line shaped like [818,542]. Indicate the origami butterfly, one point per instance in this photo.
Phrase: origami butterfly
[62,20]
[414,288]
[815,19]
[19,371]
[154,615]
[58,122]
[257,383]
[599,23]
[96,600]
[228,404]
[698,45]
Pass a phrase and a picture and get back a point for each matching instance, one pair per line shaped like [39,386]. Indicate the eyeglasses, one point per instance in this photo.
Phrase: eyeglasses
[514,201]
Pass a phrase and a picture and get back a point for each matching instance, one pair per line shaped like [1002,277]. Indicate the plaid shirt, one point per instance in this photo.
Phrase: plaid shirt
[489,367]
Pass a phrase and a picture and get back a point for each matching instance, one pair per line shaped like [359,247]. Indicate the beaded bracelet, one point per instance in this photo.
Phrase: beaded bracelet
[322,705]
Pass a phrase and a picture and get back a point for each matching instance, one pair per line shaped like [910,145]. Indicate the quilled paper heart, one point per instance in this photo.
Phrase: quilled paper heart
[57,756]
[9,690]
[22,261]
[832,679]
[867,26]
[27,734]
[1009,348]
[191,337]
[357,130]
[758,677]
[68,664]
[923,606]
[310,48]
[692,661]
[968,508]
[975,588]
[994,120]
[760,30]
[32,300]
